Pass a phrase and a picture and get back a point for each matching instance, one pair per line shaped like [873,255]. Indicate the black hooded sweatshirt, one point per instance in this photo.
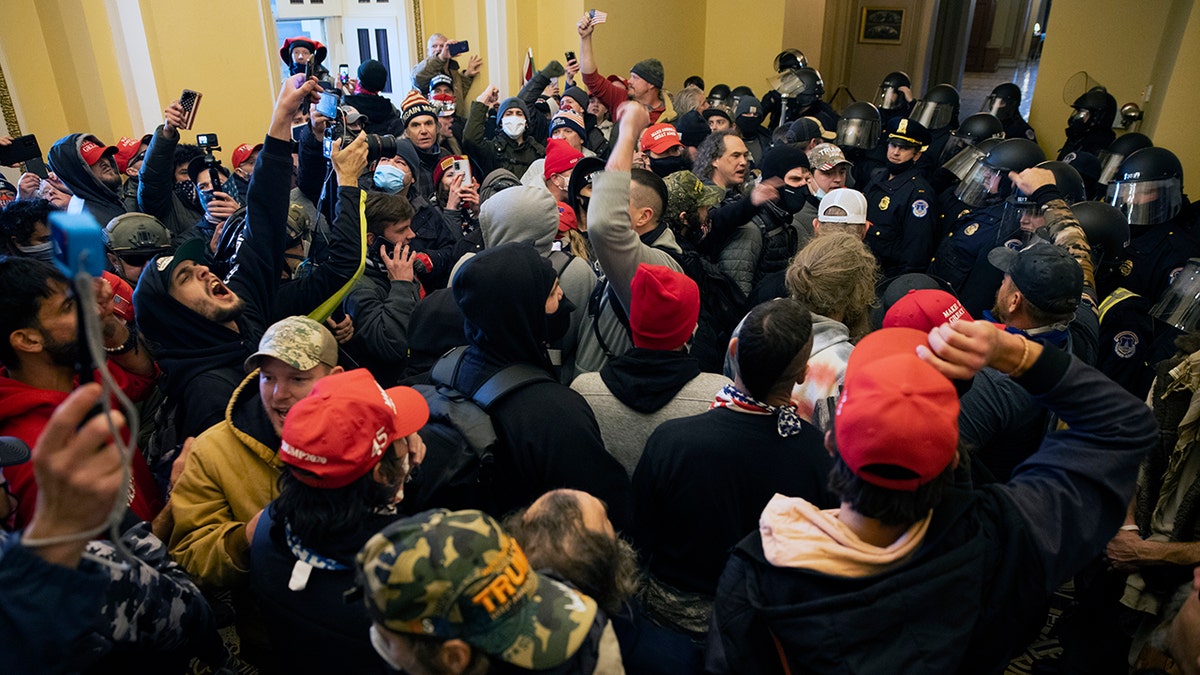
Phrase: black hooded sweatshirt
[202,360]
[549,434]
[102,203]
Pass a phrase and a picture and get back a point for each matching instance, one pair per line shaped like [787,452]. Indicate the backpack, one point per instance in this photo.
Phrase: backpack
[460,439]
[165,440]
[722,306]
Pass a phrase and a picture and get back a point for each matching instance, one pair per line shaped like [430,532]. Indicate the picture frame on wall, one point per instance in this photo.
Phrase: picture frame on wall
[881,25]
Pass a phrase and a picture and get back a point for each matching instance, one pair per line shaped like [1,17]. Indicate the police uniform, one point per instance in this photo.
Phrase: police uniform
[901,209]
[1153,257]
[902,214]
[1017,127]
[972,234]
[1131,341]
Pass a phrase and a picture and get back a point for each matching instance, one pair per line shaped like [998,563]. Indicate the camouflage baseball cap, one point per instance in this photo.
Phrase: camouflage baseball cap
[458,575]
[685,192]
[299,342]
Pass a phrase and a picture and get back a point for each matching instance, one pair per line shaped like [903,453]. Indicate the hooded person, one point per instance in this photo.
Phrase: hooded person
[512,147]
[511,303]
[297,52]
[530,214]
[658,379]
[382,116]
[86,166]
[781,230]
[748,119]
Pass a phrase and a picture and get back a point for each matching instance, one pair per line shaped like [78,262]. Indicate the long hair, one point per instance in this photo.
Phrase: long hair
[320,515]
[711,148]
[835,274]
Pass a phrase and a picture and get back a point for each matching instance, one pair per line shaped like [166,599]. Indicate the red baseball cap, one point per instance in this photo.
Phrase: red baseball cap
[242,153]
[443,166]
[127,148]
[925,310]
[659,138]
[897,418]
[566,218]
[92,150]
[341,430]
[560,157]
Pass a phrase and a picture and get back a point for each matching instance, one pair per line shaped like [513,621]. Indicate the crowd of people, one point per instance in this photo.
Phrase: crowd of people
[603,378]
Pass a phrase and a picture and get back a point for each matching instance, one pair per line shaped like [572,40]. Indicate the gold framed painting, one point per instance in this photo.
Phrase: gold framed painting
[881,25]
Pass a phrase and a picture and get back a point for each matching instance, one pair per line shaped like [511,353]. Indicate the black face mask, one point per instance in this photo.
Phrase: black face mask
[749,126]
[1080,120]
[558,323]
[665,166]
[897,169]
[792,199]
[186,191]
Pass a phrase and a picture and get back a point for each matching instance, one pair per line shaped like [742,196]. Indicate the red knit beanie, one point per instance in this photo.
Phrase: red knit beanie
[664,307]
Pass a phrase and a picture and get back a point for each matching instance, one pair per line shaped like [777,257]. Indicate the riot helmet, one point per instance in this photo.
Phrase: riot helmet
[1029,213]
[1106,229]
[1003,102]
[962,164]
[858,126]
[812,89]
[719,95]
[790,59]
[1124,146]
[737,94]
[889,96]
[1179,305]
[988,181]
[1096,109]
[938,108]
[1148,187]
[972,130]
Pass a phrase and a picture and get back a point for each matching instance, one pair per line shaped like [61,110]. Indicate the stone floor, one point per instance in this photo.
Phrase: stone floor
[976,86]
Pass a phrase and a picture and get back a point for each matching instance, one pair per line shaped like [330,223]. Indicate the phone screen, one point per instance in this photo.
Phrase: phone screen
[344,73]
[328,105]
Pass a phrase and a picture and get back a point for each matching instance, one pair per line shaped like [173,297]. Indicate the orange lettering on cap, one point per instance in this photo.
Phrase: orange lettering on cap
[501,590]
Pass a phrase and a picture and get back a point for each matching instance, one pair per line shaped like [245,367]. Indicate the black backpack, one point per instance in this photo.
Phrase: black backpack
[460,440]
[722,306]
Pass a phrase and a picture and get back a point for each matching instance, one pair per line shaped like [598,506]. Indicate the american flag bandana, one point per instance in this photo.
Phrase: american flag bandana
[789,423]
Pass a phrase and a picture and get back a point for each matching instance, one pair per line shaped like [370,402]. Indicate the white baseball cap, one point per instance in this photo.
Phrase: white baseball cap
[849,200]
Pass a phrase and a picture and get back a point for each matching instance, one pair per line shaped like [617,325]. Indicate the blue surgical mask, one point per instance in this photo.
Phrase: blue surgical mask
[389,179]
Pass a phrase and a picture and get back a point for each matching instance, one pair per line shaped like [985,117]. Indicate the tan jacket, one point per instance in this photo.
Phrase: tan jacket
[227,479]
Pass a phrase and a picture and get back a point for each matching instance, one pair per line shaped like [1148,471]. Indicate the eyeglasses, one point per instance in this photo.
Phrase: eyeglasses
[136,259]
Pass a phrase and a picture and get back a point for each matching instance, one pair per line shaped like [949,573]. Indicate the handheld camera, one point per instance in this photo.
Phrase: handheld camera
[209,144]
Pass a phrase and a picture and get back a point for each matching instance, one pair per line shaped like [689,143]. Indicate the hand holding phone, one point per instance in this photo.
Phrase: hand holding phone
[457,48]
[344,74]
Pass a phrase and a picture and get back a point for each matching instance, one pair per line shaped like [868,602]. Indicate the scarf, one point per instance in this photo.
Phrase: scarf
[789,423]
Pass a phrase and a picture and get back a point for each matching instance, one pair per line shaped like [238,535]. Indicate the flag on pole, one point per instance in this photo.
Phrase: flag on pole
[527,72]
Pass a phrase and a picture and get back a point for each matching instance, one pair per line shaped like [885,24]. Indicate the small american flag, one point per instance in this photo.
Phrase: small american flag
[597,16]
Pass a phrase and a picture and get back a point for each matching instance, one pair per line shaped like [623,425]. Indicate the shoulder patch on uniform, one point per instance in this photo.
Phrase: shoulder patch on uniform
[971,229]
[920,208]
[1069,157]
[1030,135]
[1125,344]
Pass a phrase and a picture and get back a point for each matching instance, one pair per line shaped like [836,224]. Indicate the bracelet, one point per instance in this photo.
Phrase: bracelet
[130,344]
[1021,367]
[1130,528]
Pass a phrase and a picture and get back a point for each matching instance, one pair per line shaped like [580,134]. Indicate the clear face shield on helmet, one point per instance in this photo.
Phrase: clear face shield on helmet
[889,97]
[1020,223]
[983,186]
[1109,163]
[931,114]
[967,157]
[857,133]
[1179,305]
[1147,202]
[1002,108]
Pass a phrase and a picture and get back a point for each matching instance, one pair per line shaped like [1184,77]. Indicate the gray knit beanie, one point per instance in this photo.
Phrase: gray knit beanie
[650,70]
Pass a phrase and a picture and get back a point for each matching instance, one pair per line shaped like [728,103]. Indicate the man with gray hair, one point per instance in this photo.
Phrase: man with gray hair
[439,61]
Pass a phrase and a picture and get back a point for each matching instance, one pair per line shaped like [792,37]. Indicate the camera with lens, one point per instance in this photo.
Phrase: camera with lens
[378,145]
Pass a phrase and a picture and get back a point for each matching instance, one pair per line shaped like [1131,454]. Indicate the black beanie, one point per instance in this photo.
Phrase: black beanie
[781,159]
[650,70]
[372,76]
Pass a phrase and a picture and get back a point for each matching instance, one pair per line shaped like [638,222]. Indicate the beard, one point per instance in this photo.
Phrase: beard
[227,314]
[61,353]
[111,181]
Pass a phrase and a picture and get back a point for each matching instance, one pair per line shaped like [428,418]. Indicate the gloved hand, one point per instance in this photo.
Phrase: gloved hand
[554,69]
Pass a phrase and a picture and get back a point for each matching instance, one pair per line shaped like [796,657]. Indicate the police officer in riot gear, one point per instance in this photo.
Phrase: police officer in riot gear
[1148,190]
[894,97]
[973,129]
[1124,146]
[806,102]
[1089,128]
[858,136]
[961,257]
[1005,102]
[937,111]
[901,210]
[719,96]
